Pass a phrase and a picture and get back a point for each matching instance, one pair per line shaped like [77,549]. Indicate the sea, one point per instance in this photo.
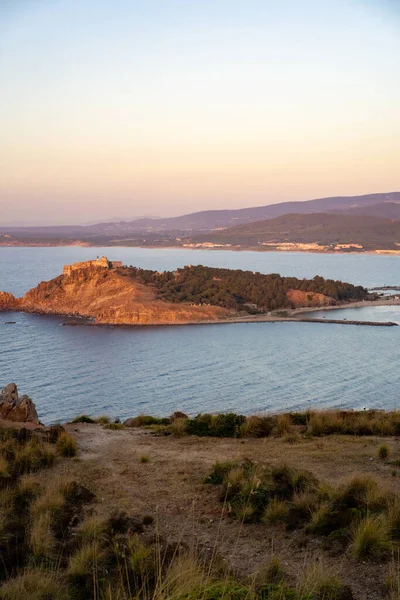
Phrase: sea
[248,368]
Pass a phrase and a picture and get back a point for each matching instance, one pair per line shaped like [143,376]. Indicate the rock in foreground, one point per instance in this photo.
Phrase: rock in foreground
[17,409]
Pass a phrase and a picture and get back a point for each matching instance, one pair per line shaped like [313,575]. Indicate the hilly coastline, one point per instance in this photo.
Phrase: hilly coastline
[361,223]
[327,231]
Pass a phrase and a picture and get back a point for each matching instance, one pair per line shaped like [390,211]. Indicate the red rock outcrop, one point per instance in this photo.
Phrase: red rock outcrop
[301,299]
[108,297]
[8,302]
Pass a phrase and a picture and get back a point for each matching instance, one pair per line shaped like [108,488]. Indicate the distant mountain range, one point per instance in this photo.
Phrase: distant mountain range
[368,218]
[213,219]
[320,228]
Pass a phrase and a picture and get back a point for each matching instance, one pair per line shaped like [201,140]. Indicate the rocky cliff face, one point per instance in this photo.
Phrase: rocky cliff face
[8,302]
[109,297]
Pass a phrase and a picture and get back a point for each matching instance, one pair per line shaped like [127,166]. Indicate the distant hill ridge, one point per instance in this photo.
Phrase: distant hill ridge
[321,228]
[211,219]
[383,205]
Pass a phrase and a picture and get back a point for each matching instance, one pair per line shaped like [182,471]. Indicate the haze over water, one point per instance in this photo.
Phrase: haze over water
[245,368]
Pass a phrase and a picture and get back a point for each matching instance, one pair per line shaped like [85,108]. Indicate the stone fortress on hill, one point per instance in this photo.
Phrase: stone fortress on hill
[99,263]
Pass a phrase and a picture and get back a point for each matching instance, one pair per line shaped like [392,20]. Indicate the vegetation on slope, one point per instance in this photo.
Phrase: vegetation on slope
[237,289]
[288,425]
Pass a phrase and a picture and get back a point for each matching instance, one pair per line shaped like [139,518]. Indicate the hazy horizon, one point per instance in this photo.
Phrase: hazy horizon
[118,110]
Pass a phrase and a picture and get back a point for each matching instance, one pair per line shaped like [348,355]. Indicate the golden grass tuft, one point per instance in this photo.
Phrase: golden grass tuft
[371,538]
[85,561]
[178,427]
[92,529]
[317,581]
[66,444]
[34,584]
[184,575]
[41,539]
[383,452]
[276,512]
[114,426]
[284,424]
[103,420]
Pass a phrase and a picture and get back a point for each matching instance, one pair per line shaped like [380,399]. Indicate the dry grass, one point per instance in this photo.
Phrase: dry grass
[383,452]
[276,512]
[34,584]
[284,424]
[317,581]
[371,538]
[178,427]
[114,426]
[66,444]
[42,540]
[92,530]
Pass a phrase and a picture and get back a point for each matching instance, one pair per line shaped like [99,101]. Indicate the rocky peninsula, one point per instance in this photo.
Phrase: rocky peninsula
[108,293]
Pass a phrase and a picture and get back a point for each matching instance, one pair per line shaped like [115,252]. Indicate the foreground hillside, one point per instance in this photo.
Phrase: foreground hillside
[102,511]
[131,296]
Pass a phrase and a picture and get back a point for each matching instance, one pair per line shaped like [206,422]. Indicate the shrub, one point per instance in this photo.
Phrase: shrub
[300,509]
[383,452]
[200,425]
[178,427]
[234,481]
[356,492]
[103,420]
[323,521]
[114,426]
[257,427]
[219,471]
[146,420]
[66,444]
[299,418]
[284,424]
[83,419]
[226,425]
[144,458]
[320,423]
[222,425]
[371,538]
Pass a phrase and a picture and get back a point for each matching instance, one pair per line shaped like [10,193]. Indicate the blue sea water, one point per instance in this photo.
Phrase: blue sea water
[247,368]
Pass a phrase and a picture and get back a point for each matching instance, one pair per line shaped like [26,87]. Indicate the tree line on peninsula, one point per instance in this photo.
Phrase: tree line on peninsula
[237,289]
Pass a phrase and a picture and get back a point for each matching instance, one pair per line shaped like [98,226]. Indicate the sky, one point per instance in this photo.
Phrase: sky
[112,109]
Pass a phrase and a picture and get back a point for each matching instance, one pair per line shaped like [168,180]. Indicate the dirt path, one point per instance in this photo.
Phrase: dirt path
[169,488]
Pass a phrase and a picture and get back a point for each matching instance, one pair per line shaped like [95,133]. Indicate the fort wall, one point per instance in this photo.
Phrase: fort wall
[99,263]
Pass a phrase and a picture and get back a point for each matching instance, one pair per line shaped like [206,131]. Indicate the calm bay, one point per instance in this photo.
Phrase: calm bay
[245,368]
